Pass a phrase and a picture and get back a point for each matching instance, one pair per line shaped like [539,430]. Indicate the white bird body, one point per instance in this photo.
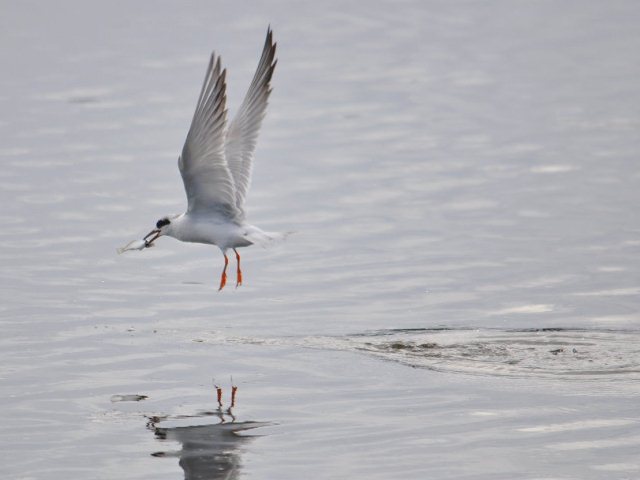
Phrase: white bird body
[216,164]
[209,229]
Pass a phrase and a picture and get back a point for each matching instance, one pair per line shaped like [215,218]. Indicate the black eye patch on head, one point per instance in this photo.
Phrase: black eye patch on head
[162,222]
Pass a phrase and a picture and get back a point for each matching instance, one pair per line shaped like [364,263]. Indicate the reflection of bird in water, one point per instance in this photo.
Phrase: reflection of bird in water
[208,451]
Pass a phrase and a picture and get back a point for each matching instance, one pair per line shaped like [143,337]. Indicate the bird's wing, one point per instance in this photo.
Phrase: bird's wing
[243,132]
[207,179]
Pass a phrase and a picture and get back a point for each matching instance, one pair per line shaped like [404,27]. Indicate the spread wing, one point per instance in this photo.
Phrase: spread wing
[207,179]
[243,131]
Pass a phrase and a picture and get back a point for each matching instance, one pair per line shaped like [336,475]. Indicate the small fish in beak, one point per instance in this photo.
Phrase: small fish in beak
[156,232]
[147,240]
[133,245]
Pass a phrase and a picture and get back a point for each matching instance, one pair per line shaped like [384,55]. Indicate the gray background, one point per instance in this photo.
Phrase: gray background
[463,165]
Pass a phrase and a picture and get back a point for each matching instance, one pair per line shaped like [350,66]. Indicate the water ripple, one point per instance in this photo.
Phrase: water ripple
[546,352]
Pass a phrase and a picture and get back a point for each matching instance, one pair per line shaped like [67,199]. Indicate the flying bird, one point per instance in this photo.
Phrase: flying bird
[216,164]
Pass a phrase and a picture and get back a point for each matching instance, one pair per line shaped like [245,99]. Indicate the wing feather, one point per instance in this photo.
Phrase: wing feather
[243,131]
[207,179]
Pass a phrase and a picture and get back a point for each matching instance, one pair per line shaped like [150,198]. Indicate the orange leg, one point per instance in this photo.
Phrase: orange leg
[239,272]
[223,278]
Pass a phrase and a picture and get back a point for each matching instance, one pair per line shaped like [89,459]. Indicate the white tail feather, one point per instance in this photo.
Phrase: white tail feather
[265,239]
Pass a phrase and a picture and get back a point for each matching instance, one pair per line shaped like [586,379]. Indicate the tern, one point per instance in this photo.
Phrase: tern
[216,164]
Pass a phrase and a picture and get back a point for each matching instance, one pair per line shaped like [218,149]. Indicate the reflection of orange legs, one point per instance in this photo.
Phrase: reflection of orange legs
[234,389]
[219,395]
[239,272]
[223,278]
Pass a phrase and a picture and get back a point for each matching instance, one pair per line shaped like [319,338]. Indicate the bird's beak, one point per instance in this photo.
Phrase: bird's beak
[155,233]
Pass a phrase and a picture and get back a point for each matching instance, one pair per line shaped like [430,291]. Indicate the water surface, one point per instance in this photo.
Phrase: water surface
[462,178]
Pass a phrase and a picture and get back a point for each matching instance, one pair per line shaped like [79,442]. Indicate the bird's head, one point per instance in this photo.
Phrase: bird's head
[163,226]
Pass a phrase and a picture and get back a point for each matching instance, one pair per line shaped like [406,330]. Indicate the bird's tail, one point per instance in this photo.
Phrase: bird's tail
[265,239]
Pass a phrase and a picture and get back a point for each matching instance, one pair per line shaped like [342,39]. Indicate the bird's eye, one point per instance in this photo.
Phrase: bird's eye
[162,222]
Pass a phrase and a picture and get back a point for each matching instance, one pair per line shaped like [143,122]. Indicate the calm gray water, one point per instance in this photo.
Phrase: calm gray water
[460,298]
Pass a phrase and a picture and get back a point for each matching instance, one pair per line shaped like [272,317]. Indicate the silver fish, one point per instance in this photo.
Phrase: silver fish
[134,245]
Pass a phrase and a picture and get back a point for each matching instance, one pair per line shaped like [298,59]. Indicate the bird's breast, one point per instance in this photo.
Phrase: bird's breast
[212,232]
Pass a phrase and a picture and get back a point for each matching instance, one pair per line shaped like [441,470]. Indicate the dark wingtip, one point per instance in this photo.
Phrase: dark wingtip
[269,40]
